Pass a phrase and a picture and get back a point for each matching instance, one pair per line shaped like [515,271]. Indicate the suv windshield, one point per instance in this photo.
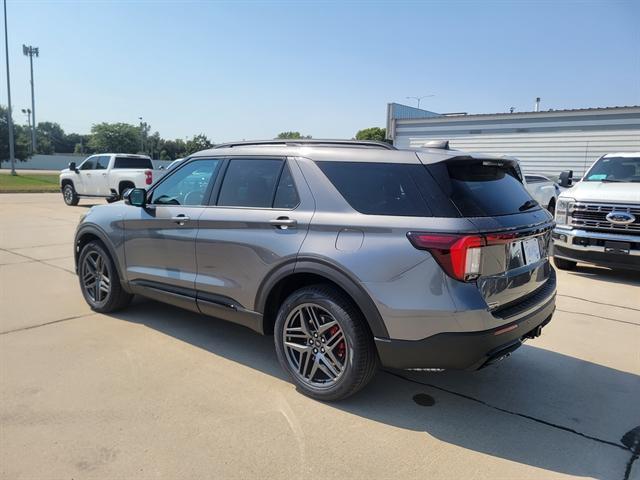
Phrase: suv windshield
[615,169]
[132,162]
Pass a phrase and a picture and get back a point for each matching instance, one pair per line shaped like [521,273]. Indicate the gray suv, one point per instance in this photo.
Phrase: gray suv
[353,254]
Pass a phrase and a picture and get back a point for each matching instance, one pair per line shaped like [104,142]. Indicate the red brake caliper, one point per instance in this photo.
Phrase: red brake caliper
[341,347]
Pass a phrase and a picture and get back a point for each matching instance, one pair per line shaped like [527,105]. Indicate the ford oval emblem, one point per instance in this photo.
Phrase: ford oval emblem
[621,218]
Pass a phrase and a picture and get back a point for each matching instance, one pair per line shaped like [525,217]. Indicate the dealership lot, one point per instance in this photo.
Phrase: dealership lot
[157,392]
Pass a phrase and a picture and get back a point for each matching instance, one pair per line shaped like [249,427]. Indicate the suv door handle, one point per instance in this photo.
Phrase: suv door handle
[283,223]
[180,219]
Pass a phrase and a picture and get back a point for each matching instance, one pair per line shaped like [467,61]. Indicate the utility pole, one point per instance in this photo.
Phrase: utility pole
[420,98]
[30,51]
[12,156]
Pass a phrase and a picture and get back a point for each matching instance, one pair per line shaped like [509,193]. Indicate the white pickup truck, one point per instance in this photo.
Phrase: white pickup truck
[543,190]
[598,219]
[105,175]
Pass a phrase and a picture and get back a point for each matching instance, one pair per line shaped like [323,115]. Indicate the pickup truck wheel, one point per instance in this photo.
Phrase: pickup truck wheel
[563,264]
[99,280]
[323,342]
[69,195]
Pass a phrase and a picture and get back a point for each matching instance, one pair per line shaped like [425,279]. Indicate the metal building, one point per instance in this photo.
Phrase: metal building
[546,142]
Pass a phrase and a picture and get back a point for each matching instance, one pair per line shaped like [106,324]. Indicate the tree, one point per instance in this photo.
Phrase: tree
[373,133]
[292,135]
[114,137]
[172,149]
[50,138]
[21,139]
[197,143]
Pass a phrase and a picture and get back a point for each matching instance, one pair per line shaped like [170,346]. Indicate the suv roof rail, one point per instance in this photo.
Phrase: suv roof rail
[310,141]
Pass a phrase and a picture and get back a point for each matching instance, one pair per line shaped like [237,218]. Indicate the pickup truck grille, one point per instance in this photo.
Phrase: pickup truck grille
[592,216]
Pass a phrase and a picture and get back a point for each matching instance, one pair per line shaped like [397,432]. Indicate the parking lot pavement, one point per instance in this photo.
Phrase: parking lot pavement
[157,392]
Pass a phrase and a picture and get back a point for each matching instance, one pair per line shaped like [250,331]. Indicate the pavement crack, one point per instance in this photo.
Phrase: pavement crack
[599,303]
[598,316]
[627,470]
[36,260]
[511,412]
[43,324]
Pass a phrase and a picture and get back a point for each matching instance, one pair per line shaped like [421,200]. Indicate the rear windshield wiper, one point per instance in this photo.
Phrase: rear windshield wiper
[528,205]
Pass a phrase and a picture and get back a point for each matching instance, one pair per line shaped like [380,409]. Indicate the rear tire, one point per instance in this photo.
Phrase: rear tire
[69,195]
[99,280]
[331,356]
[563,264]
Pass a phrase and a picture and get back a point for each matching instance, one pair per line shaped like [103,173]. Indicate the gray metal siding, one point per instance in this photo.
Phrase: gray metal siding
[547,144]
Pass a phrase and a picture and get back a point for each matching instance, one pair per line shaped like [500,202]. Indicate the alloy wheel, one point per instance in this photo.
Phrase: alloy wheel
[68,195]
[315,345]
[95,277]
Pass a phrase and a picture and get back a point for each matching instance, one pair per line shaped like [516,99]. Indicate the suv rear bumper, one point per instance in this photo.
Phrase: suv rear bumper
[464,350]
[589,247]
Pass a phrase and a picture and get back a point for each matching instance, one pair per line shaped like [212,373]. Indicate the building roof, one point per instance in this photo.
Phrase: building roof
[550,112]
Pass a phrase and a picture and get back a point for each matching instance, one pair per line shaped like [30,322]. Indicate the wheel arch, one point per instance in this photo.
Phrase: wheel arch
[292,276]
[90,233]
[67,181]
[122,184]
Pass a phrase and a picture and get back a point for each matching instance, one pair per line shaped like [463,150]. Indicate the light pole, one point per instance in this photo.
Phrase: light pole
[30,52]
[141,135]
[27,112]
[9,118]
[419,98]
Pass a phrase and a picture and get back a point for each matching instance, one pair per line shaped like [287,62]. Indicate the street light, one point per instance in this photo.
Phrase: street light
[420,98]
[12,156]
[141,135]
[30,52]
[27,112]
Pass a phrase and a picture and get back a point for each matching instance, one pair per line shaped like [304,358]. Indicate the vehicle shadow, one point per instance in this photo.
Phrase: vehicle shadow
[481,411]
[625,277]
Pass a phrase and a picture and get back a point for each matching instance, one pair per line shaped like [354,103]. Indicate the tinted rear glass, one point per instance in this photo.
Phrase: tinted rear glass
[132,162]
[482,189]
[250,183]
[380,188]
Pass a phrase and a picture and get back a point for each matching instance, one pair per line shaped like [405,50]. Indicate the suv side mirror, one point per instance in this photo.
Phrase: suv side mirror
[566,178]
[72,167]
[136,197]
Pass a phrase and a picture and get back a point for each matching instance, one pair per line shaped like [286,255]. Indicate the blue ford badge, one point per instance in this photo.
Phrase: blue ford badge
[620,218]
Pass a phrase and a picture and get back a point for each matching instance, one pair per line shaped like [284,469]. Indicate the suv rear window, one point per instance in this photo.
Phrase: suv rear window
[132,162]
[482,188]
[380,188]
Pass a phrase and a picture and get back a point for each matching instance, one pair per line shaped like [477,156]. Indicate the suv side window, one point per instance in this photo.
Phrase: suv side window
[102,162]
[250,183]
[381,188]
[187,185]
[286,193]
[88,164]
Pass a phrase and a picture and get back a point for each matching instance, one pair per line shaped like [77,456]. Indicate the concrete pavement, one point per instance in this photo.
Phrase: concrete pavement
[157,392]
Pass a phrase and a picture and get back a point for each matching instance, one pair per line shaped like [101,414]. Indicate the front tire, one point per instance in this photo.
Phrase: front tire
[99,280]
[563,264]
[324,344]
[69,195]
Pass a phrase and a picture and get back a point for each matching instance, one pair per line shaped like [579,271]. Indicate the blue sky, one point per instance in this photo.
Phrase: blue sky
[236,70]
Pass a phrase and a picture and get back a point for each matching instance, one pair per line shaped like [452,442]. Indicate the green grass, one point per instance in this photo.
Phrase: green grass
[31,183]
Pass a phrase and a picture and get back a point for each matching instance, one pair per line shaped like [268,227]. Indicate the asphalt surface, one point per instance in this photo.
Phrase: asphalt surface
[156,392]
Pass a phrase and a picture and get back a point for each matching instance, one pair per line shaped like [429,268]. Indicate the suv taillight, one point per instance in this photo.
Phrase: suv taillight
[458,255]
[148,177]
